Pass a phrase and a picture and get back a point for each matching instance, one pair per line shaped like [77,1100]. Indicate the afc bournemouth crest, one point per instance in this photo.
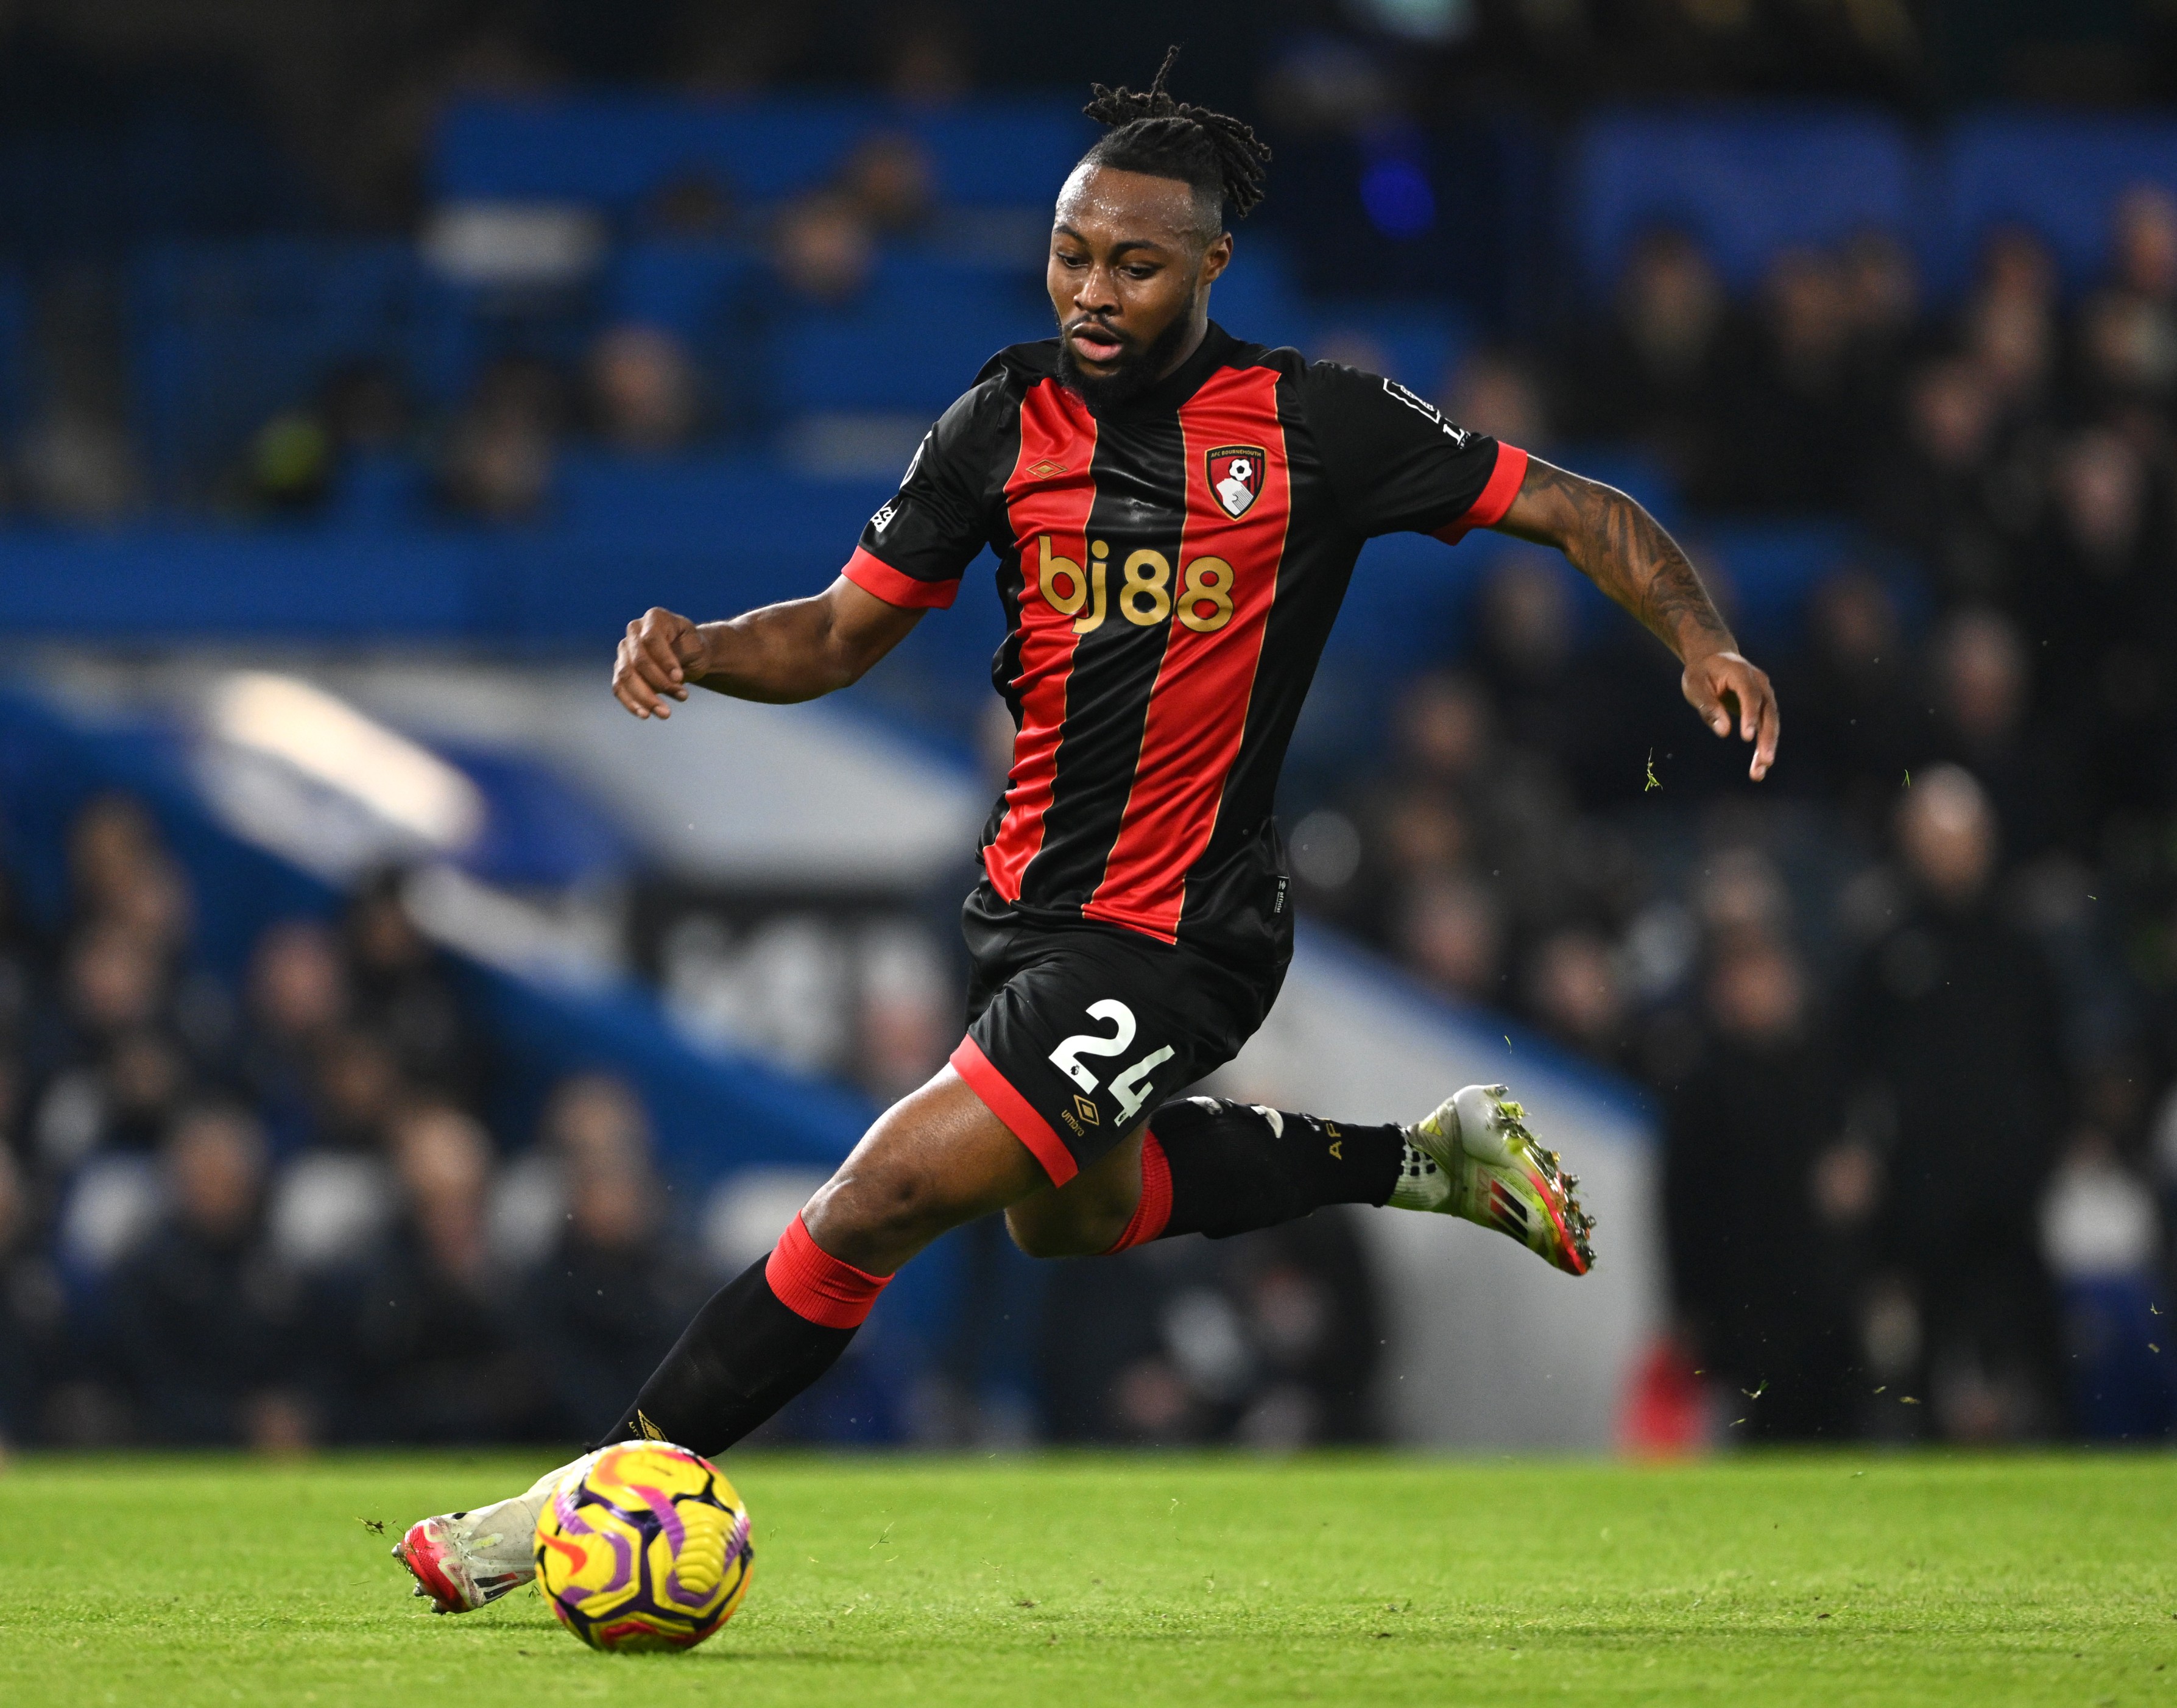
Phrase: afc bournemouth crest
[1235,478]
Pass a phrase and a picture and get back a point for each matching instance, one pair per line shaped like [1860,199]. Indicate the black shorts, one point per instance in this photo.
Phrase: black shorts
[1075,1033]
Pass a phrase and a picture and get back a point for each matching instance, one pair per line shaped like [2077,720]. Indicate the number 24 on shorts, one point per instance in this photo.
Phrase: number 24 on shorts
[1129,1089]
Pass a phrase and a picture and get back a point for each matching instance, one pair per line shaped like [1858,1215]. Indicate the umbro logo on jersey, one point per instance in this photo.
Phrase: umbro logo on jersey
[1042,468]
[1235,478]
[1457,435]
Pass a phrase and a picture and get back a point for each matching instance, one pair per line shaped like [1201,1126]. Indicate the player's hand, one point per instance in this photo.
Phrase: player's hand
[1725,686]
[660,654]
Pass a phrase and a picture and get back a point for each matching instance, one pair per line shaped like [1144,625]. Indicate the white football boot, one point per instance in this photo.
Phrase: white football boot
[1473,1157]
[462,1560]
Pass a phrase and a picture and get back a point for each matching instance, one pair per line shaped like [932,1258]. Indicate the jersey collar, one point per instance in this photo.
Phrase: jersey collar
[1215,351]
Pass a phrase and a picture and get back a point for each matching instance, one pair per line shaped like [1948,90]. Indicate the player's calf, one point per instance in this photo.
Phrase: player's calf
[1212,1166]
[935,1159]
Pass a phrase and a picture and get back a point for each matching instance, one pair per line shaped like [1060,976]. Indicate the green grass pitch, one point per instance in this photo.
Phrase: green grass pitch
[1082,1581]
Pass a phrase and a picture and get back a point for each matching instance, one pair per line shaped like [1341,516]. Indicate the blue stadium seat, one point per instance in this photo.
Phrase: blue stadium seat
[1003,153]
[603,493]
[682,284]
[1418,342]
[912,342]
[714,297]
[224,334]
[381,491]
[615,150]
[1768,569]
[159,582]
[1747,181]
[2059,173]
[1257,298]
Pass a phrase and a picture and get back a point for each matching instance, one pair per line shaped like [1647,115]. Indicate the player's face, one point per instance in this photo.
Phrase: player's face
[1129,276]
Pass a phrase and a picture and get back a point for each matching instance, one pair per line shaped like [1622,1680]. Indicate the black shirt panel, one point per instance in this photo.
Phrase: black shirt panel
[952,492]
[1394,462]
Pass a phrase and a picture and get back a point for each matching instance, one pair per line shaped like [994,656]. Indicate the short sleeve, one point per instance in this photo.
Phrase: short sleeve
[1397,465]
[916,547]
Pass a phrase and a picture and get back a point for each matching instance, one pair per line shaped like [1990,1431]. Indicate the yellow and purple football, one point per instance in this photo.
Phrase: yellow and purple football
[648,1549]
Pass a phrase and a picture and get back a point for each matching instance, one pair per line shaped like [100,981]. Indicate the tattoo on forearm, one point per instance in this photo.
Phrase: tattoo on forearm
[1621,548]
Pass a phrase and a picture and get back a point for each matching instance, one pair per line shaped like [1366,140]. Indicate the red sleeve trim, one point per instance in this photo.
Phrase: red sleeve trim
[1488,509]
[817,1286]
[1018,1113]
[875,575]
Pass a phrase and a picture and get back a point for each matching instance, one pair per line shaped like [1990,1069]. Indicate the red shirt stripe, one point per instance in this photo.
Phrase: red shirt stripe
[1197,710]
[875,575]
[1057,437]
[1488,509]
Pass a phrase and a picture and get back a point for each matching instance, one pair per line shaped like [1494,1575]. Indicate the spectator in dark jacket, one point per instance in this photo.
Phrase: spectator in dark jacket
[2099,608]
[1983,691]
[212,1331]
[604,1308]
[1957,1033]
[1659,372]
[1856,715]
[404,993]
[435,1357]
[31,1311]
[1760,1267]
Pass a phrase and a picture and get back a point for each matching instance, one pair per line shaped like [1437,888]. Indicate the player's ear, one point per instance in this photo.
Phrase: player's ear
[1217,257]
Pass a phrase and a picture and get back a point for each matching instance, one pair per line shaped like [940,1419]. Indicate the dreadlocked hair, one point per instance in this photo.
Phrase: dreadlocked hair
[1220,157]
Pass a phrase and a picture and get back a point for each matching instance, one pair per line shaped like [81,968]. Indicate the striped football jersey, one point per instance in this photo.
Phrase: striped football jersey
[1169,570]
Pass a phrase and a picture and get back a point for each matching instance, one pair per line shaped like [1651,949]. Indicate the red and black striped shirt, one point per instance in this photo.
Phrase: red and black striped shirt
[1170,572]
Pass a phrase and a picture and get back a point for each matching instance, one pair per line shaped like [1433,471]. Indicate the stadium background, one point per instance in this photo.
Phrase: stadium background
[395,1039]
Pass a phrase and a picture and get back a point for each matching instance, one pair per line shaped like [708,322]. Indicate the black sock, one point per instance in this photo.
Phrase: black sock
[741,1359]
[1235,1168]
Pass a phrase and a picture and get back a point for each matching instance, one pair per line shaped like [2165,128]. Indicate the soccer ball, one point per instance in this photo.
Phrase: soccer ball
[649,1549]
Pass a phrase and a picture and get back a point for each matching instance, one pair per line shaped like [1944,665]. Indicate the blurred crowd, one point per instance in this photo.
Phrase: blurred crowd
[1907,1006]
[303,1209]
[642,386]
[276,1215]
[206,131]
[560,364]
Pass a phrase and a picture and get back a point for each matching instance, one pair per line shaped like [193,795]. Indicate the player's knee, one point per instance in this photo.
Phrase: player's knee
[878,1203]
[1065,1226]
[1040,1236]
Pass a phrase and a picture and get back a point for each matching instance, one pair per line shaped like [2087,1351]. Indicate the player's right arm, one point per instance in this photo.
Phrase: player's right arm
[779,654]
[909,561]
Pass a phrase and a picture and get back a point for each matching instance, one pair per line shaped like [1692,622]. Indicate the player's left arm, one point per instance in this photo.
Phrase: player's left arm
[1624,551]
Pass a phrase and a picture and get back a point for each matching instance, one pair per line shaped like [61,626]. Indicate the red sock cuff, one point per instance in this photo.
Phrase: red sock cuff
[1155,1209]
[813,1284]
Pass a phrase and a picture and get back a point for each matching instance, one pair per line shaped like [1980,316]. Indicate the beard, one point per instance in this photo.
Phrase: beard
[1135,373]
